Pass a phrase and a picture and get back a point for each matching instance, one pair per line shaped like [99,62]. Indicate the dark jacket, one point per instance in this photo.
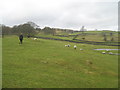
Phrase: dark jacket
[21,37]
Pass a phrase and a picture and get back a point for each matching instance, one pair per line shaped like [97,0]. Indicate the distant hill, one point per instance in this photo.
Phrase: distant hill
[33,24]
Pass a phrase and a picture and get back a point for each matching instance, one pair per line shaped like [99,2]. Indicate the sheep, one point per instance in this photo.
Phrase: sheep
[103,52]
[110,53]
[75,46]
[67,45]
[34,38]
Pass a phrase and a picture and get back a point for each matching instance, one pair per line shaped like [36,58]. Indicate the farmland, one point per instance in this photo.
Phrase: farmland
[45,63]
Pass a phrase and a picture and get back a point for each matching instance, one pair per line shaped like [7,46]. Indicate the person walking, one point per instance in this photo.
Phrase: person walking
[21,38]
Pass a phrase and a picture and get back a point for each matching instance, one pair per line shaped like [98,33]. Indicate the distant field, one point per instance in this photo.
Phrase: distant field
[89,36]
[93,32]
[49,64]
[98,38]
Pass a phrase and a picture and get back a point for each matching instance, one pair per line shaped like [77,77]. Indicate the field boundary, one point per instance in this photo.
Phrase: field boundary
[77,41]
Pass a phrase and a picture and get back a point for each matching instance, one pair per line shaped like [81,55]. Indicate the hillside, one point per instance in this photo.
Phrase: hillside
[49,64]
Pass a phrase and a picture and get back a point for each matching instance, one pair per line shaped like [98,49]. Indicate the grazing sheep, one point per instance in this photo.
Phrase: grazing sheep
[110,53]
[103,52]
[75,46]
[68,45]
[34,38]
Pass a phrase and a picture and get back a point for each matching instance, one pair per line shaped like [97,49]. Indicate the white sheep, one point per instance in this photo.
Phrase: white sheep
[68,45]
[34,38]
[110,53]
[103,52]
[75,46]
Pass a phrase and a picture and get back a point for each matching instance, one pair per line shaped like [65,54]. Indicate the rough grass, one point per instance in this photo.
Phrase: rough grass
[49,64]
[96,36]
[0,62]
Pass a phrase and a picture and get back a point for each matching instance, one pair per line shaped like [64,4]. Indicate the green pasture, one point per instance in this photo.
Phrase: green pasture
[0,62]
[96,36]
[51,36]
[49,64]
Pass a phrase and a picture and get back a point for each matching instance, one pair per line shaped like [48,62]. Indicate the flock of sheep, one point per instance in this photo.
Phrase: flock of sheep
[108,51]
[75,47]
[70,45]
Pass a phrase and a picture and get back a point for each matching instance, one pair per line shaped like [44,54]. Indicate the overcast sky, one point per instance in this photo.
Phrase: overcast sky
[69,14]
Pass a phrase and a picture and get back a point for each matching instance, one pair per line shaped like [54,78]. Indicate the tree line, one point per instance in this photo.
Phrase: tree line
[25,29]
[29,30]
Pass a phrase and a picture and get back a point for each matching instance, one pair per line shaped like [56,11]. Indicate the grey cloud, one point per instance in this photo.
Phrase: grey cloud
[65,14]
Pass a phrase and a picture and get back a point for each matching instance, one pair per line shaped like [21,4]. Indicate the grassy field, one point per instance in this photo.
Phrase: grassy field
[49,64]
[0,62]
[92,36]
[99,38]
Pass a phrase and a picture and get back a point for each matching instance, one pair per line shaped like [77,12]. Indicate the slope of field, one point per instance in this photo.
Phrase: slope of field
[0,62]
[99,38]
[49,64]
[91,37]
